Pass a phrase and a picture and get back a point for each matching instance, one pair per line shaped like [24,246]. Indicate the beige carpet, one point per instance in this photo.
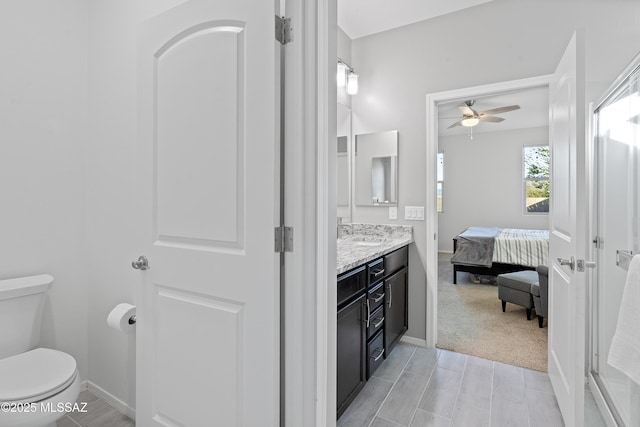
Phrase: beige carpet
[471,321]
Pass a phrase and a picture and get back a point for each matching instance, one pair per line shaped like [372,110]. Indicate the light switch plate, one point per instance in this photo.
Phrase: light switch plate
[414,213]
[393,212]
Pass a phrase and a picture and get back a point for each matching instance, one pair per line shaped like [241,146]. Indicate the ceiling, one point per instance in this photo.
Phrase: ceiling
[533,112]
[359,18]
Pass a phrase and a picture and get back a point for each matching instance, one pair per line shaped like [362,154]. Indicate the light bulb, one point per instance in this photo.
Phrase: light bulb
[341,76]
[352,83]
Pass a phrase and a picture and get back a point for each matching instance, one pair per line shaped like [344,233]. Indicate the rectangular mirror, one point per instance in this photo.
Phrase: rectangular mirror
[376,169]
[343,164]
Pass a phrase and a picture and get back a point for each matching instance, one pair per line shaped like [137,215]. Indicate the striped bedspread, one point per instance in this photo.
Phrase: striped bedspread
[522,247]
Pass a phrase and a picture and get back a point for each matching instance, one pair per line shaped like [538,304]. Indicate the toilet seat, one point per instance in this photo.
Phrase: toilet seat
[35,375]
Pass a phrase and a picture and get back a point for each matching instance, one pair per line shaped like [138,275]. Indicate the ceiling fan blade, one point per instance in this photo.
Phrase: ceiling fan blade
[493,119]
[500,110]
[458,123]
[466,111]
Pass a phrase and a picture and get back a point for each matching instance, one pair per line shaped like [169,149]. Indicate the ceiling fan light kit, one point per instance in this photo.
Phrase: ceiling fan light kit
[470,122]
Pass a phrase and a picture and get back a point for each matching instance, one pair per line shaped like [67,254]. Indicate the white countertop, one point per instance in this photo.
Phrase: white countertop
[362,243]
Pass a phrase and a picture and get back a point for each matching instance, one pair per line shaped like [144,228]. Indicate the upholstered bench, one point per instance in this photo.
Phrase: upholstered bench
[540,293]
[516,289]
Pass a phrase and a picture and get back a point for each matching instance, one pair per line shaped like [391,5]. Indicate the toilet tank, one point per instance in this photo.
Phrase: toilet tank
[21,305]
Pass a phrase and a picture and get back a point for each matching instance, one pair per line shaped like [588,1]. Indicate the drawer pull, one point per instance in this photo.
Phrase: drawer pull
[378,272]
[378,297]
[368,314]
[376,358]
[377,325]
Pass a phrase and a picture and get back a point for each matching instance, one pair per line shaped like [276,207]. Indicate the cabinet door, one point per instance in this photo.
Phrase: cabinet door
[396,308]
[351,352]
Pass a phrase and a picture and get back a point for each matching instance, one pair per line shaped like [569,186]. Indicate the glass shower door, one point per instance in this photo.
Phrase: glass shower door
[618,228]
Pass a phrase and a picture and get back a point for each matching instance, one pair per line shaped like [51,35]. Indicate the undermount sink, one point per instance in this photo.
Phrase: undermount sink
[370,241]
[366,243]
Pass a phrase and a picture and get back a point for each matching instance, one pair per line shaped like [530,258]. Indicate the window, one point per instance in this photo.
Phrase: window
[440,179]
[536,179]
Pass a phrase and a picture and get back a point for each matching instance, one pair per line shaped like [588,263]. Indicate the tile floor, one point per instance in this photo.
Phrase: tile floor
[421,387]
[418,386]
[99,414]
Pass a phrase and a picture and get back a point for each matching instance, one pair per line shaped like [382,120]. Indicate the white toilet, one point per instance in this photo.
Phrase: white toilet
[37,385]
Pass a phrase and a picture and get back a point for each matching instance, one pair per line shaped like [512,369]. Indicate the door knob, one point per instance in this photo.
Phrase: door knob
[570,262]
[141,264]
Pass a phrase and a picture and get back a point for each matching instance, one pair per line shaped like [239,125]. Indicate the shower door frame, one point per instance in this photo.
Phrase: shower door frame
[596,386]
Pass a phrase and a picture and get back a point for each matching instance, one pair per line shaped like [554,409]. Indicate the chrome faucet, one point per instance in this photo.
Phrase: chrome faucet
[341,226]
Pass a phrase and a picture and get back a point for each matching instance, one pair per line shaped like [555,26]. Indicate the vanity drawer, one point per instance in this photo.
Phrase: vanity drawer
[376,296]
[375,353]
[376,271]
[376,321]
[395,260]
[351,283]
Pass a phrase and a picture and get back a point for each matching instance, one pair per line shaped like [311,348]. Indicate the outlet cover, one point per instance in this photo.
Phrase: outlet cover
[393,212]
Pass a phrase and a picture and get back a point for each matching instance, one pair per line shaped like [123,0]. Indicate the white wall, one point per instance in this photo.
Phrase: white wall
[483,182]
[111,186]
[43,129]
[518,39]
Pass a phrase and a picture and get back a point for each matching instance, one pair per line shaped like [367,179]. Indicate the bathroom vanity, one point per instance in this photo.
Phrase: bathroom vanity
[372,302]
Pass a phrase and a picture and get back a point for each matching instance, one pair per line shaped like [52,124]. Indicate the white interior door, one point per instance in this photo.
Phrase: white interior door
[208,307]
[567,236]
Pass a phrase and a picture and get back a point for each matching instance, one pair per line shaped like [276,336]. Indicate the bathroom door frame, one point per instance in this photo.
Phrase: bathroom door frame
[433,100]
[309,293]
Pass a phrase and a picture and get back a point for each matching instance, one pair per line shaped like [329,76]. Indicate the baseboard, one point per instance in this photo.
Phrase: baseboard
[110,399]
[414,341]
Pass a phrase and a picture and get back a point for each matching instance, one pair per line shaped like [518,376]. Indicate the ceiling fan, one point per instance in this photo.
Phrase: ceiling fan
[471,117]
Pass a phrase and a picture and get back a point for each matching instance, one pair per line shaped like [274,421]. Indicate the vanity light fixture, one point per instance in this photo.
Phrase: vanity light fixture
[341,77]
[346,76]
[352,83]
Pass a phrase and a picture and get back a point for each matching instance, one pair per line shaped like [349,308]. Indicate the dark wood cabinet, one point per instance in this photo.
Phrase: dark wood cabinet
[351,349]
[396,316]
[372,316]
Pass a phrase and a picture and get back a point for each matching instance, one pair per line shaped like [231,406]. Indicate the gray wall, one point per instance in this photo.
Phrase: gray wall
[483,182]
[493,42]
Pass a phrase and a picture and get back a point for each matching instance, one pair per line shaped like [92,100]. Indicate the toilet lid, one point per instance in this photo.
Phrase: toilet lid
[35,375]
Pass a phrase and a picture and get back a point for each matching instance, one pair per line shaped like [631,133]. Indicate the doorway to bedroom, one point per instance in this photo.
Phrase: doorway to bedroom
[492,172]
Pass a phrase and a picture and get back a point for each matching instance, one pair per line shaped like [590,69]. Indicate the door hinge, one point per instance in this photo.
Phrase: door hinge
[283,239]
[283,30]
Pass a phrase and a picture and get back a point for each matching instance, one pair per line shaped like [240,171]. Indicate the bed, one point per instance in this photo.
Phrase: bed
[492,250]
